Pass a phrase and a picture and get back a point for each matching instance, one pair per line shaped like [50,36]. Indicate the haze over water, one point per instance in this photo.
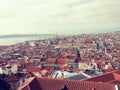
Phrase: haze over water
[14,40]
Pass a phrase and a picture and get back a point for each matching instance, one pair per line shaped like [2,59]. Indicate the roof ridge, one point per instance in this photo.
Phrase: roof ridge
[71,80]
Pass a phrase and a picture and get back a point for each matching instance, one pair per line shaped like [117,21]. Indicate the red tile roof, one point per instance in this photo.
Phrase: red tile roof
[61,61]
[110,68]
[112,77]
[51,60]
[44,70]
[4,47]
[57,84]
[48,68]
[102,78]
[33,69]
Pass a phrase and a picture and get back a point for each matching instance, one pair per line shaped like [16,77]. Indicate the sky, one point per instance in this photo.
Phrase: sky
[61,16]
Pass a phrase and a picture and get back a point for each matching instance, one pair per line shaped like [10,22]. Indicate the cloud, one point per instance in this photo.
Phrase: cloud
[70,10]
[95,11]
[34,15]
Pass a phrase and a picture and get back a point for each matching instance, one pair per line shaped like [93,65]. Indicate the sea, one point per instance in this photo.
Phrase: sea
[15,40]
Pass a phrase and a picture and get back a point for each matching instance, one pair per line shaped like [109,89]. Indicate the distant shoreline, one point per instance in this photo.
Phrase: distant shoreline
[18,38]
[32,35]
[23,35]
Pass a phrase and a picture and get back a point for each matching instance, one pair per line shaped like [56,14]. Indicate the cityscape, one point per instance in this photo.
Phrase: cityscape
[79,62]
[59,44]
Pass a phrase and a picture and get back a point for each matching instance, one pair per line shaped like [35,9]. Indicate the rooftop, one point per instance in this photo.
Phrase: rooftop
[57,84]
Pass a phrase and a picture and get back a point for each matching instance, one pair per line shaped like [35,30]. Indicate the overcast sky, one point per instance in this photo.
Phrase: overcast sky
[61,16]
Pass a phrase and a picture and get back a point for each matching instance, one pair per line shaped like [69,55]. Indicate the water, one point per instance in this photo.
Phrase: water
[14,40]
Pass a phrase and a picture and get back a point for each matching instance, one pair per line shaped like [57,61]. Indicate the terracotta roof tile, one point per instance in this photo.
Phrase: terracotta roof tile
[33,69]
[61,61]
[112,77]
[48,68]
[51,60]
[109,69]
[57,84]
[102,78]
